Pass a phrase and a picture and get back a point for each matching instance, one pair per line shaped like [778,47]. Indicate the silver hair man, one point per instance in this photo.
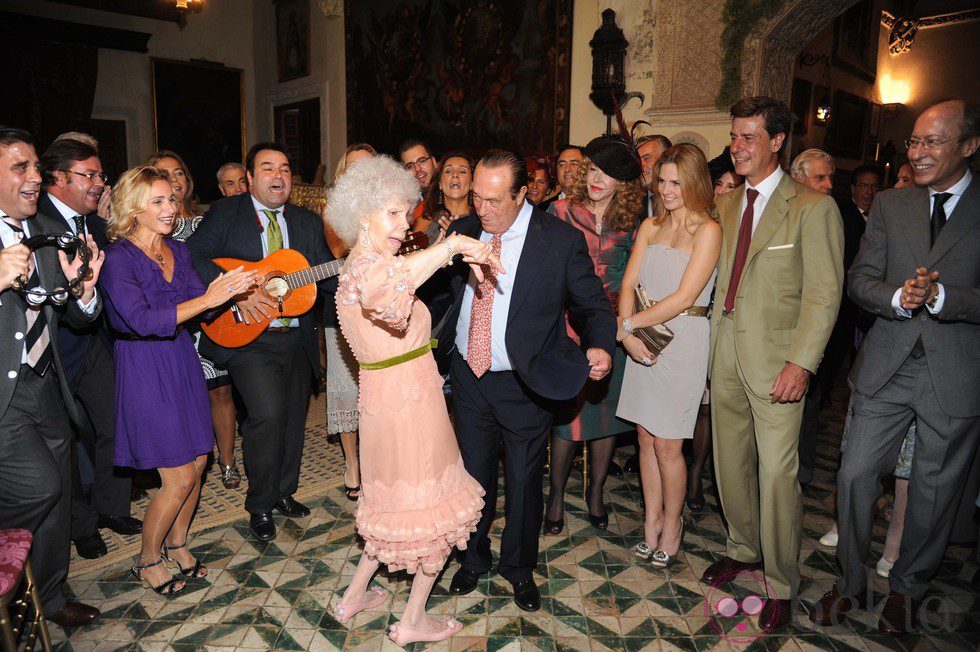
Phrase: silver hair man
[814,168]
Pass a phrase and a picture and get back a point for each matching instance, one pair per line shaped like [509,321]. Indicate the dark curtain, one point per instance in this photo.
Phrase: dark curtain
[49,87]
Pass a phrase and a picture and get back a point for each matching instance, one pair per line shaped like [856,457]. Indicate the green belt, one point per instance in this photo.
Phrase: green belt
[404,357]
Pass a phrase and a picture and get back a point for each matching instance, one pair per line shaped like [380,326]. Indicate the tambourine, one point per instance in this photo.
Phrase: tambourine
[69,243]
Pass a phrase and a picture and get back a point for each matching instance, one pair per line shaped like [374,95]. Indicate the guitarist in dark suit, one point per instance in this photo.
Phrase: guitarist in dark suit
[73,181]
[36,404]
[273,374]
[511,359]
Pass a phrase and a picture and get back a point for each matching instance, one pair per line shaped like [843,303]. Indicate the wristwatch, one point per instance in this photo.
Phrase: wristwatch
[934,290]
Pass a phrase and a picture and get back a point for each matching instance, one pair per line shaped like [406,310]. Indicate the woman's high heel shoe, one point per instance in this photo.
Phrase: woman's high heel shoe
[231,477]
[660,559]
[197,572]
[554,527]
[642,550]
[167,589]
[598,522]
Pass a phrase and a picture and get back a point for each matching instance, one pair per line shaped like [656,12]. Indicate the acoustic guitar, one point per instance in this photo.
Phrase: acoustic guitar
[286,278]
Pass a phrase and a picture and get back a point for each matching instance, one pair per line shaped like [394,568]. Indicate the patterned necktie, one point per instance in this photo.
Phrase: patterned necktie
[37,340]
[478,353]
[79,226]
[273,234]
[742,248]
[938,220]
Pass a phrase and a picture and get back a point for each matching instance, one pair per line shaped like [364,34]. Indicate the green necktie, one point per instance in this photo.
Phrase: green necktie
[274,240]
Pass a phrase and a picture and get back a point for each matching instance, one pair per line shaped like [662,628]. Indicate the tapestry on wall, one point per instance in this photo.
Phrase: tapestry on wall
[459,74]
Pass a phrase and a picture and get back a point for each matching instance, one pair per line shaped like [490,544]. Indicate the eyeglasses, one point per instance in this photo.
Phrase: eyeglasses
[411,165]
[867,186]
[929,143]
[101,176]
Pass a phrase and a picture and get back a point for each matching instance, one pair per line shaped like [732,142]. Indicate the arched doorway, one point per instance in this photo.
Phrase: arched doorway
[770,50]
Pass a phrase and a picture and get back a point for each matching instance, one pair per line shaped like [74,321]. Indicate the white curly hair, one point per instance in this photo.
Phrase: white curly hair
[365,188]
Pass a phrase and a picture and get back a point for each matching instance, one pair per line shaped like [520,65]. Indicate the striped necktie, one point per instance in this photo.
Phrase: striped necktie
[37,340]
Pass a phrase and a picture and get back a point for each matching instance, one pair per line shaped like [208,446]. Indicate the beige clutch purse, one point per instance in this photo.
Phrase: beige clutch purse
[657,337]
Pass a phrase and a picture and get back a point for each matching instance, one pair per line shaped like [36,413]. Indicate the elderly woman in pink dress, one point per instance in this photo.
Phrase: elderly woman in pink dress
[417,501]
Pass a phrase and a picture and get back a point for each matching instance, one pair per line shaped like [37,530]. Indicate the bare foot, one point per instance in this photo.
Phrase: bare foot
[349,605]
[187,561]
[158,575]
[670,537]
[426,629]
[651,533]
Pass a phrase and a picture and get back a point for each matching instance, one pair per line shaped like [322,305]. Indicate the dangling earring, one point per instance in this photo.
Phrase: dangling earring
[441,198]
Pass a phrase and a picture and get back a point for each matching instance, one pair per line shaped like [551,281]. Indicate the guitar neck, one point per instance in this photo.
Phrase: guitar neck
[315,274]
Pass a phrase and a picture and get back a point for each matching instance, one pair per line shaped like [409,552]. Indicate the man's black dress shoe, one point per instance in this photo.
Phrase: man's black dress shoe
[464,581]
[292,508]
[126,525]
[262,526]
[90,546]
[74,614]
[527,596]
[615,470]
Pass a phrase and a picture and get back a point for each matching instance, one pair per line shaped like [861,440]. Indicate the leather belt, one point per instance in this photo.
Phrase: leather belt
[279,329]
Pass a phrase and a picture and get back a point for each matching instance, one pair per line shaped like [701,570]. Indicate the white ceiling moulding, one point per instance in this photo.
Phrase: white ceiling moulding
[299,94]
[685,117]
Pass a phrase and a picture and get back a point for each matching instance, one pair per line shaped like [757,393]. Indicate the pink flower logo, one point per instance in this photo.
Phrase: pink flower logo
[733,603]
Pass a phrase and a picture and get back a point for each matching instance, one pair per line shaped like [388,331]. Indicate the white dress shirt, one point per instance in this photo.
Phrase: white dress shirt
[9,238]
[511,246]
[956,191]
[281,221]
[67,214]
[766,188]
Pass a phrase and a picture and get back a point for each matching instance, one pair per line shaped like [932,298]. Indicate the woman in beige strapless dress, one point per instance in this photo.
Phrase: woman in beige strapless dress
[673,259]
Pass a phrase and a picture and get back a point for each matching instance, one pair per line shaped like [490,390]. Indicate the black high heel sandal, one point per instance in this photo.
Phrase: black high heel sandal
[598,522]
[352,493]
[189,573]
[167,589]
[554,527]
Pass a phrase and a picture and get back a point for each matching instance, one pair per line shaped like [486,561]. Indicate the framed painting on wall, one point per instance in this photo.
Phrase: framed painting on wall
[293,39]
[848,124]
[459,74]
[855,46]
[199,113]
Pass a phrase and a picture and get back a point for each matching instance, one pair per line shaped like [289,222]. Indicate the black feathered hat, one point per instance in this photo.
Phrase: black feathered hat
[615,157]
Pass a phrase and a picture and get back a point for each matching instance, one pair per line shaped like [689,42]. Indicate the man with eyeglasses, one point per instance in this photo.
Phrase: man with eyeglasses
[917,270]
[73,183]
[417,159]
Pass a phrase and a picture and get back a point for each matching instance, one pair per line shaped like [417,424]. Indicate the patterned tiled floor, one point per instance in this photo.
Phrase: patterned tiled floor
[596,595]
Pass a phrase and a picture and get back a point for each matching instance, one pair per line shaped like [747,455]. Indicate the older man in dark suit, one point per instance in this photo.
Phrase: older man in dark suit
[918,272]
[73,183]
[273,374]
[511,359]
[36,404]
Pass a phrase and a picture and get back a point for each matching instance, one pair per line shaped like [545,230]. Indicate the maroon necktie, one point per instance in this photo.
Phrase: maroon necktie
[742,248]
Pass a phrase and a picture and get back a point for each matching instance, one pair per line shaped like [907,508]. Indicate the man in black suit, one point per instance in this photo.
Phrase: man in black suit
[73,181]
[511,359]
[36,404]
[273,373]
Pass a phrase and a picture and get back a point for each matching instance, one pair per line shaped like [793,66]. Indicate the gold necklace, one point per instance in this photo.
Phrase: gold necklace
[160,259]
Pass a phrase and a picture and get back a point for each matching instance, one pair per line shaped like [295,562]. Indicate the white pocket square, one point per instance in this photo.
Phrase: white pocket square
[786,246]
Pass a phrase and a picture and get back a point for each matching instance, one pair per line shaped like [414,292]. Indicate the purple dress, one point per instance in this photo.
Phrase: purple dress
[163,414]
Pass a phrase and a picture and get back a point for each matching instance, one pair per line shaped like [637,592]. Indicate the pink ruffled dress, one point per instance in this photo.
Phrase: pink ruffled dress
[417,501]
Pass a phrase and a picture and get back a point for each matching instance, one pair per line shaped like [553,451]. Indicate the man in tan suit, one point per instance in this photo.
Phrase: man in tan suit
[780,279]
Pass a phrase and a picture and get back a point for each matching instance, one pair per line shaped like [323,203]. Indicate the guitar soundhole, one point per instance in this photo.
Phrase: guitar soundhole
[276,286]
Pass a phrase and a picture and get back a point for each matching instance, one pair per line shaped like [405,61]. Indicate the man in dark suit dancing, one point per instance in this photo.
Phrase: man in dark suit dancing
[73,183]
[511,359]
[36,404]
[273,374]
[918,272]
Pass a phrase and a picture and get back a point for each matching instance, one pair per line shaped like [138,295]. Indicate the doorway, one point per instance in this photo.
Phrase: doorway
[297,126]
